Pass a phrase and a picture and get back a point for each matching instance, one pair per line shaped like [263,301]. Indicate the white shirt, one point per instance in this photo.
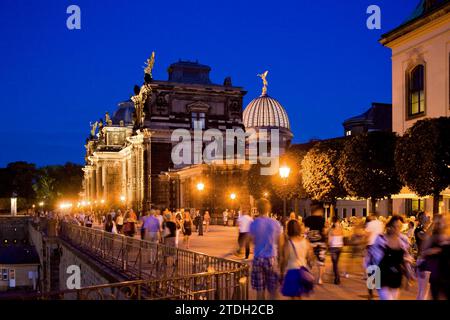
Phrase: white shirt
[244,223]
[374,228]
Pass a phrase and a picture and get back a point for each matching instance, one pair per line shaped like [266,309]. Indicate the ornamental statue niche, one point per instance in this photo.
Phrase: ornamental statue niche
[141,94]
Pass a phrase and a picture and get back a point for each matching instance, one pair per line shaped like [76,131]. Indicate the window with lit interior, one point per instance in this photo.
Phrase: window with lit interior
[416,91]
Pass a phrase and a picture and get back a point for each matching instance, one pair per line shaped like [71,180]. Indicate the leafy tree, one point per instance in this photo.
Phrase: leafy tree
[321,172]
[292,188]
[367,166]
[422,158]
[58,182]
[22,176]
[258,184]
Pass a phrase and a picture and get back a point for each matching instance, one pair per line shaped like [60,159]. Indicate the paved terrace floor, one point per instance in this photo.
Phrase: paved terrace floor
[221,242]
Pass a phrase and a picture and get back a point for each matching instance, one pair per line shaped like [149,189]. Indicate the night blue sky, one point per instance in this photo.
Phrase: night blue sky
[324,64]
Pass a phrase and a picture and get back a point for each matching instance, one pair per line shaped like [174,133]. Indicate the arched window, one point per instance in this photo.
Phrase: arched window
[416,91]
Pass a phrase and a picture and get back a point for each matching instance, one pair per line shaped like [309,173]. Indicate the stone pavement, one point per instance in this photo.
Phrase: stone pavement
[221,241]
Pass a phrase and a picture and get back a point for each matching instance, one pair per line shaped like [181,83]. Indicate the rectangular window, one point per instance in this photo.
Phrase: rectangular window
[4,275]
[414,205]
[344,213]
[364,212]
[198,120]
[353,212]
[416,91]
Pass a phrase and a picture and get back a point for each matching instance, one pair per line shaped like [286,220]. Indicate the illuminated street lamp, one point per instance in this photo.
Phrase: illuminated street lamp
[102,201]
[284,174]
[265,194]
[233,196]
[41,204]
[200,186]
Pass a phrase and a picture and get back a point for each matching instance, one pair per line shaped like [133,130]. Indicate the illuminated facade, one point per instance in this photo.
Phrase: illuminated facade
[131,160]
[420,81]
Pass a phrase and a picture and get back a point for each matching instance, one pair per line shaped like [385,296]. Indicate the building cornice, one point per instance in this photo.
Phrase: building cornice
[415,24]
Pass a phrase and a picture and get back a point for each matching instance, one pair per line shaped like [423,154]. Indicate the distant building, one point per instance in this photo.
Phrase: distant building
[377,118]
[19,267]
[420,81]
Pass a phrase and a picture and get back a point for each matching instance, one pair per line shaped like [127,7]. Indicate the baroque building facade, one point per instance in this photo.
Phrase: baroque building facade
[129,156]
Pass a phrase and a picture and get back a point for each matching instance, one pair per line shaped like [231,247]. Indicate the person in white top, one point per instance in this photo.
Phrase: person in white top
[335,243]
[225,217]
[374,227]
[244,222]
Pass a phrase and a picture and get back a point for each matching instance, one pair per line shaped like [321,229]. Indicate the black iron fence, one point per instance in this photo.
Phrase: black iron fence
[158,271]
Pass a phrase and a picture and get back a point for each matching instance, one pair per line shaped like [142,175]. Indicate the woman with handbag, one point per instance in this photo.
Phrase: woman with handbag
[296,257]
[391,254]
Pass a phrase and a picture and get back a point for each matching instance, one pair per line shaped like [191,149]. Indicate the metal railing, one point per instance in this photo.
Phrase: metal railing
[207,286]
[162,272]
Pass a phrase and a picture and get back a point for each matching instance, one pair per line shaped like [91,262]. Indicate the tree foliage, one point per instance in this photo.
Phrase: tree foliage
[292,188]
[320,168]
[367,166]
[422,157]
[47,184]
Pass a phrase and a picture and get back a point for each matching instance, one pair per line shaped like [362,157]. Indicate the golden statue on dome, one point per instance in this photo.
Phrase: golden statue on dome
[265,83]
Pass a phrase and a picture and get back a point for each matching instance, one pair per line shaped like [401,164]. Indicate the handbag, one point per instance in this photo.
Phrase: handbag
[306,277]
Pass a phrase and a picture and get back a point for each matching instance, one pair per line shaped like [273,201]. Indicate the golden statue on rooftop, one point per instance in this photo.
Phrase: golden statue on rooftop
[149,64]
[265,83]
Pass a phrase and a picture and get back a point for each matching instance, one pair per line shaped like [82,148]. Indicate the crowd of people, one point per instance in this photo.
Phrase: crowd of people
[402,250]
[289,253]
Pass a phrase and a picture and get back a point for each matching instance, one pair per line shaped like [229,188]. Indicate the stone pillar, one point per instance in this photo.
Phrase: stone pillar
[98,180]
[147,171]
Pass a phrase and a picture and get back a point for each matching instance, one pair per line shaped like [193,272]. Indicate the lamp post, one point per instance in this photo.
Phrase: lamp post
[284,174]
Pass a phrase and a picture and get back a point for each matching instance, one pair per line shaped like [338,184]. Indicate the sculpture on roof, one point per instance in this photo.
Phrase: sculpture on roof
[93,128]
[108,120]
[141,94]
[139,99]
[149,67]
[265,83]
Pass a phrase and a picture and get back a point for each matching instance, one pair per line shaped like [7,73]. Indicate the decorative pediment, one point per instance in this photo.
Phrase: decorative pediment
[198,106]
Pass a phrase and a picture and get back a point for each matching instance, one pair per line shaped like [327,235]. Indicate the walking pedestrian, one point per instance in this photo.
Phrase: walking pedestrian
[207,218]
[435,252]
[151,227]
[336,243]
[244,238]
[119,221]
[110,226]
[266,234]
[129,228]
[225,217]
[200,223]
[297,256]
[170,228]
[374,227]
[315,234]
[390,253]
[187,228]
